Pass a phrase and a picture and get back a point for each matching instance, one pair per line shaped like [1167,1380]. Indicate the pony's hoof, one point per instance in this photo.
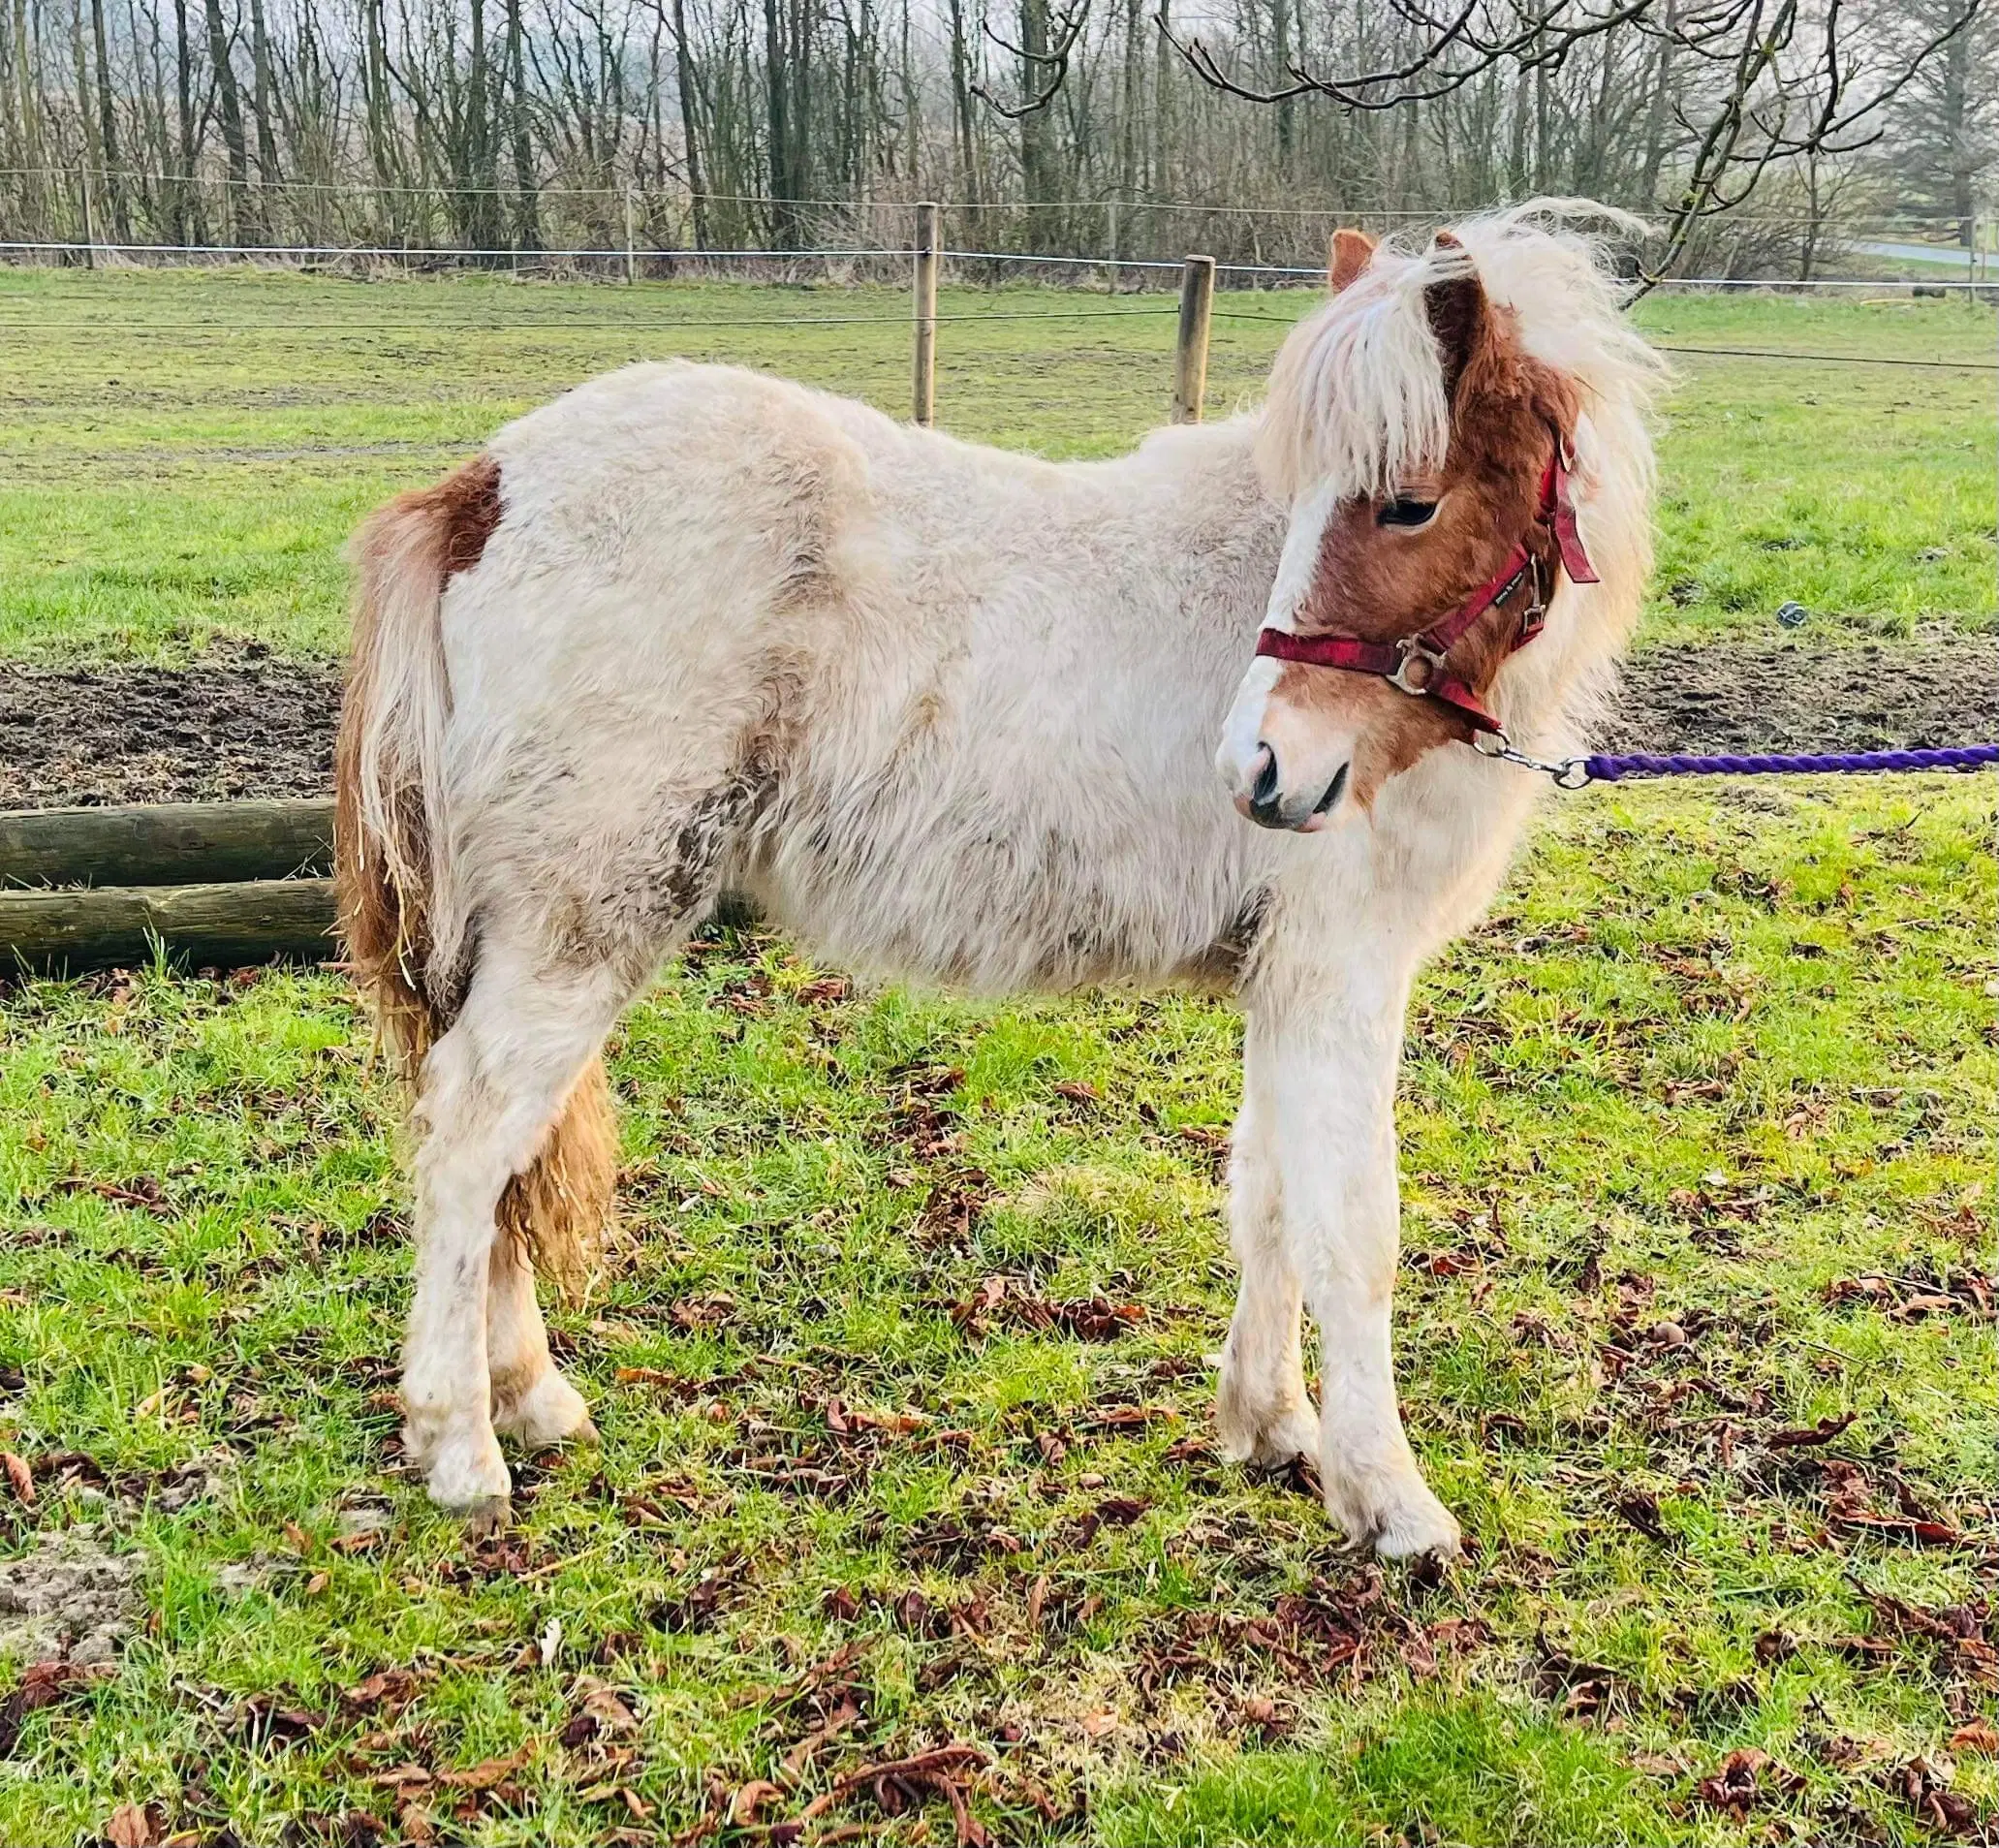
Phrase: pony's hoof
[551,1411]
[470,1473]
[1397,1519]
[1272,1439]
[486,1518]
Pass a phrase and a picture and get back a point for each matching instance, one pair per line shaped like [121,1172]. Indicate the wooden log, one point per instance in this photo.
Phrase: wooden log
[219,926]
[1190,349]
[166,844]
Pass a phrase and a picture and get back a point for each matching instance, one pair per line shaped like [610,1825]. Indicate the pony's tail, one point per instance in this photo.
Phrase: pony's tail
[402,910]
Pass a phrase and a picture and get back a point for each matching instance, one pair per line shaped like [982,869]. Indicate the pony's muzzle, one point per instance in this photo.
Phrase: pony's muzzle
[1263,800]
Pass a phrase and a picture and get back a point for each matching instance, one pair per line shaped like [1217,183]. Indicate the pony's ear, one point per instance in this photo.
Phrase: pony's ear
[1460,316]
[1351,252]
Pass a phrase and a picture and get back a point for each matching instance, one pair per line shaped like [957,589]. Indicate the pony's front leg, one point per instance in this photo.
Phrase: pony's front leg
[1335,1066]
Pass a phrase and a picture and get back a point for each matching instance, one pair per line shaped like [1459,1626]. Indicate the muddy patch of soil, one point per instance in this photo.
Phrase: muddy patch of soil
[237,723]
[247,723]
[70,1600]
[1803,693]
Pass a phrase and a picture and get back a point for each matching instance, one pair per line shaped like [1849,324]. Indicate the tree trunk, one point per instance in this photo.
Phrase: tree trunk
[963,128]
[690,125]
[108,129]
[243,214]
[527,230]
[270,174]
[777,105]
[1037,154]
[1956,98]
[187,212]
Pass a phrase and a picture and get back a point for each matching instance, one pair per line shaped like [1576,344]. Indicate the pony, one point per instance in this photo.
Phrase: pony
[953,715]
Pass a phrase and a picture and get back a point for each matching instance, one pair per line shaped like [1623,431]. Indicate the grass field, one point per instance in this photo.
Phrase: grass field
[183,454]
[1696,1155]
[903,1365]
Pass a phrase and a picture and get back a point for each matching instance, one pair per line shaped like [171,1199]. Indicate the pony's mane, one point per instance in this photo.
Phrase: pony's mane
[1357,396]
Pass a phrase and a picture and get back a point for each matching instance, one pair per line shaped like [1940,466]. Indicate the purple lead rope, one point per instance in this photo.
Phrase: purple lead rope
[1573,773]
[1616,769]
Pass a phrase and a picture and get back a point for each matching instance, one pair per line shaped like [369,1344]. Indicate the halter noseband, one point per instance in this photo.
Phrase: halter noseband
[1420,664]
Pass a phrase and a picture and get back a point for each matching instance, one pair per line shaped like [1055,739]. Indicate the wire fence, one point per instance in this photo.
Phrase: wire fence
[90,214]
[635,261]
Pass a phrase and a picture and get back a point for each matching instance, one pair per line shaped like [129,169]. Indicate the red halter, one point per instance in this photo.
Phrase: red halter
[1418,664]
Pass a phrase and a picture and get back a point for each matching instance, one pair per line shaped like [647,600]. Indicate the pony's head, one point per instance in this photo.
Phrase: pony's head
[1422,426]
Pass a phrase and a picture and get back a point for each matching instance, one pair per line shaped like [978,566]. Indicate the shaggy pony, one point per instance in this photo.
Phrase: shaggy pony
[952,715]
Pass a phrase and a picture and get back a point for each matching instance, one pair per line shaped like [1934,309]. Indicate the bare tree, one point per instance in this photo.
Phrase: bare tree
[1765,80]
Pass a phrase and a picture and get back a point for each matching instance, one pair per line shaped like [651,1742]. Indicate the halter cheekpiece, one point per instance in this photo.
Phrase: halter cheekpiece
[1420,665]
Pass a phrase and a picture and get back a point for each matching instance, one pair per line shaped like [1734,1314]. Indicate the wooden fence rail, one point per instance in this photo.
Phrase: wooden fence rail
[116,927]
[166,844]
[214,883]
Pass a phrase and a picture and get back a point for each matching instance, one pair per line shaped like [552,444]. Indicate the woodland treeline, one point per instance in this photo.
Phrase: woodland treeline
[1135,126]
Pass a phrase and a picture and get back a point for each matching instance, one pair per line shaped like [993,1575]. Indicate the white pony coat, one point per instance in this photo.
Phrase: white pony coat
[951,715]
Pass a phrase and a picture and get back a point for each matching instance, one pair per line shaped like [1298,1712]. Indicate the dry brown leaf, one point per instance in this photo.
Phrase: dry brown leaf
[131,1827]
[21,1478]
[487,1772]
[1978,1738]
[751,1797]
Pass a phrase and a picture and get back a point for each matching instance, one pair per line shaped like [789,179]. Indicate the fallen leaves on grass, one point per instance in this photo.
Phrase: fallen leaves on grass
[1822,1433]
[1978,1738]
[1914,1298]
[136,1825]
[1746,1777]
[1924,1788]
[1088,1319]
[1964,1649]
[900,1785]
[1639,1509]
[489,1771]
[266,1720]
[19,1477]
[142,1192]
[384,1693]
[1586,1690]
[953,1209]
[43,1685]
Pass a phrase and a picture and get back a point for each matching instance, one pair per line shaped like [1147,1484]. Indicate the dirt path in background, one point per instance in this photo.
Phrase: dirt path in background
[248,722]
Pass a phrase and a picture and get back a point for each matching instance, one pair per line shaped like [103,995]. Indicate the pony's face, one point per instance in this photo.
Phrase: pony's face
[1408,493]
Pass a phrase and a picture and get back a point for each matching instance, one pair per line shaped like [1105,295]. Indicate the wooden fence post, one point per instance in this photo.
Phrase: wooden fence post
[924,409]
[1190,356]
[630,234]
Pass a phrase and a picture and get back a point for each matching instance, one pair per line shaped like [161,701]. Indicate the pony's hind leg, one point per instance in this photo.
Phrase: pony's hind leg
[531,1402]
[1263,1413]
[545,1219]
[490,1088]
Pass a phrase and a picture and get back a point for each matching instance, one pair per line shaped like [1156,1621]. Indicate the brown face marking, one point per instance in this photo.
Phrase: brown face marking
[1381,583]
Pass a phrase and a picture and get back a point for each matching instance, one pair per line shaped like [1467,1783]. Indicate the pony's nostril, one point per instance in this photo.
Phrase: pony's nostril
[1332,791]
[1264,792]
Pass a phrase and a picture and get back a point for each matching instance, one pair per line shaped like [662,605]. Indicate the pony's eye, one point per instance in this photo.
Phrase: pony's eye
[1406,513]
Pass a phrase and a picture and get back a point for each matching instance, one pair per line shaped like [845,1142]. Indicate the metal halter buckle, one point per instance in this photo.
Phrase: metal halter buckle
[1410,650]
[1568,772]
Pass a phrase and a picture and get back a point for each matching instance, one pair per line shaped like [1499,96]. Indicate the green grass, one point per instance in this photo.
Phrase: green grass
[1717,1056]
[183,454]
